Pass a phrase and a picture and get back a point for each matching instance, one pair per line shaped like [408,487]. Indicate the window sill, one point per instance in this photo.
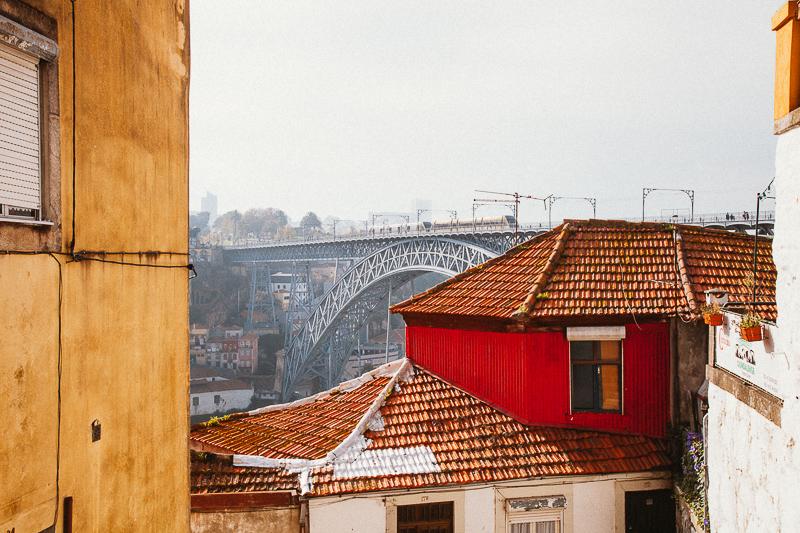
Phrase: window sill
[26,222]
[787,122]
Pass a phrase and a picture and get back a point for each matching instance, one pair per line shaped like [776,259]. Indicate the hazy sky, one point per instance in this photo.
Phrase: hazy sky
[348,107]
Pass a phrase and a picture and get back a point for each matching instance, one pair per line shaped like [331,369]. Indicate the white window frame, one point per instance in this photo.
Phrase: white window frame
[598,333]
[534,517]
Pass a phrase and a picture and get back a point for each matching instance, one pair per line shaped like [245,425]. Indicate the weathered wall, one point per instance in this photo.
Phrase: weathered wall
[595,504]
[124,350]
[347,516]
[750,469]
[276,520]
[753,464]
[691,359]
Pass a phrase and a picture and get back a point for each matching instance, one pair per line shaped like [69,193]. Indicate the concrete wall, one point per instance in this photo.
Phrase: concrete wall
[692,357]
[749,468]
[123,329]
[753,464]
[276,520]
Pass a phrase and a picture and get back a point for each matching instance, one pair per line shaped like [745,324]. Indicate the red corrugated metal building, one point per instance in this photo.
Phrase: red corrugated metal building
[620,290]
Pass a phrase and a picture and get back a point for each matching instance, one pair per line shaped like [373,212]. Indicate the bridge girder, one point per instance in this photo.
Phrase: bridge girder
[342,311]
[357,248]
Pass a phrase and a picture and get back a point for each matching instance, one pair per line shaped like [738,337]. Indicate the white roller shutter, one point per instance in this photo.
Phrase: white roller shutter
[20,158]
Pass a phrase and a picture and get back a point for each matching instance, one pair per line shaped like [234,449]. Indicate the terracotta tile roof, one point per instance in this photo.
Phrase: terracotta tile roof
[430,433]
[212,473]
[604,268]
[307,429]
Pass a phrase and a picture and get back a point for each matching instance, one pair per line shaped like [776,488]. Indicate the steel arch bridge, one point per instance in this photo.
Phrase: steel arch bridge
[331,328]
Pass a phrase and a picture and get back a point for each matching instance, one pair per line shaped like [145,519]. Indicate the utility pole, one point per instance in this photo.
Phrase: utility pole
[688,192]
[516,196]
[552,199]
[452,212]
[388,320]
[766,193]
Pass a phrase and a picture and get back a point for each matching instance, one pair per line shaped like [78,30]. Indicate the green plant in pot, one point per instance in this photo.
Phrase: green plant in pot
[750,327]
[712,314]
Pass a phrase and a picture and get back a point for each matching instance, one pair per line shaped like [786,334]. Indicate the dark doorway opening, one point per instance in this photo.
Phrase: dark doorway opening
[649,511]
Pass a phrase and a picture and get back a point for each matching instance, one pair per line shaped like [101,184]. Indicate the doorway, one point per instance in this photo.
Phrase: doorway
[649,511]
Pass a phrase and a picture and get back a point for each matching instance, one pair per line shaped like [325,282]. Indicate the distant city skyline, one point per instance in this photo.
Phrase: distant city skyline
[353,107]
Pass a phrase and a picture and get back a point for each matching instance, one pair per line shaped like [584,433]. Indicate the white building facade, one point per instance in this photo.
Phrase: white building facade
[218,395]
[587,504]
[753,442]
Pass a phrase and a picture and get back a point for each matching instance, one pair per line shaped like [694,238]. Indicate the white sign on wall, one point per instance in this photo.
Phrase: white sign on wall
[761,363]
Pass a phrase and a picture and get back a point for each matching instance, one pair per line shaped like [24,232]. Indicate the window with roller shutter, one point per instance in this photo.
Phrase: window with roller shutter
[20,138]
[30,167]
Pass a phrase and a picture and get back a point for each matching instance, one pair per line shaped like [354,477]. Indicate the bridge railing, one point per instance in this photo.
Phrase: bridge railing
[328,237]
[746,217]
[725,218]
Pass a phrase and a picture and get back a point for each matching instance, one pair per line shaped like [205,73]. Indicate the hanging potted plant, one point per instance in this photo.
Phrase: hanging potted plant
[712,314]
[750,327]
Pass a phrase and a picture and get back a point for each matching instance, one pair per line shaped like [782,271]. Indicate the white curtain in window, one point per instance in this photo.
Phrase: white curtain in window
[543,526]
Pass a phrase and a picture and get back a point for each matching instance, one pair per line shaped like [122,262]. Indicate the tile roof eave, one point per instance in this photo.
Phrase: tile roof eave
[307,464]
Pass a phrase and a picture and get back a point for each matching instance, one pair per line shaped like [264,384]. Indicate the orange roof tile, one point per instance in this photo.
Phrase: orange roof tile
[213,473]
[605,268]
[430,433]
[308,429]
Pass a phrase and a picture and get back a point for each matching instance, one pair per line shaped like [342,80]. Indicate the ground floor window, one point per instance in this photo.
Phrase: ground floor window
[535,523]
[425,518]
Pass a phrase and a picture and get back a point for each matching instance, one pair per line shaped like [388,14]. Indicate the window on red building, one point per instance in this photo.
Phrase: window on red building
[596,375]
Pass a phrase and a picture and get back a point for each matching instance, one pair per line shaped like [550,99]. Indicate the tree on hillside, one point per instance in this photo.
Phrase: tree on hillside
[199,221]
[229,223]
[264,222]
[310,221]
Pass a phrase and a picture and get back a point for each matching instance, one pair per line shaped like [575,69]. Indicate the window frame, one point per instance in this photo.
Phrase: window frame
[532,517]
[416,524]
[36,35]
[598,362]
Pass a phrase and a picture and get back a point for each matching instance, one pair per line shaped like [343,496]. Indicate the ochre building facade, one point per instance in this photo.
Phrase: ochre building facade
[94,274]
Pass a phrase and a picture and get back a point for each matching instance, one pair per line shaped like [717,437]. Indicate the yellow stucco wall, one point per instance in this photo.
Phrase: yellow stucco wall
[123,328]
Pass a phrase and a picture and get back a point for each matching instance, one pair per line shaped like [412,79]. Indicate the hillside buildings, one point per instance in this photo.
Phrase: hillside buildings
[94,265]
[211,393]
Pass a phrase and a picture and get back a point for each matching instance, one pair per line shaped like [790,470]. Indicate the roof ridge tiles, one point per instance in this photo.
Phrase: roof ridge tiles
[544,276]
[683,274]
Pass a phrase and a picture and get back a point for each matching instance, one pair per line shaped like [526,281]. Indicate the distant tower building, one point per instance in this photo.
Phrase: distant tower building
[208,203]
[426,205]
